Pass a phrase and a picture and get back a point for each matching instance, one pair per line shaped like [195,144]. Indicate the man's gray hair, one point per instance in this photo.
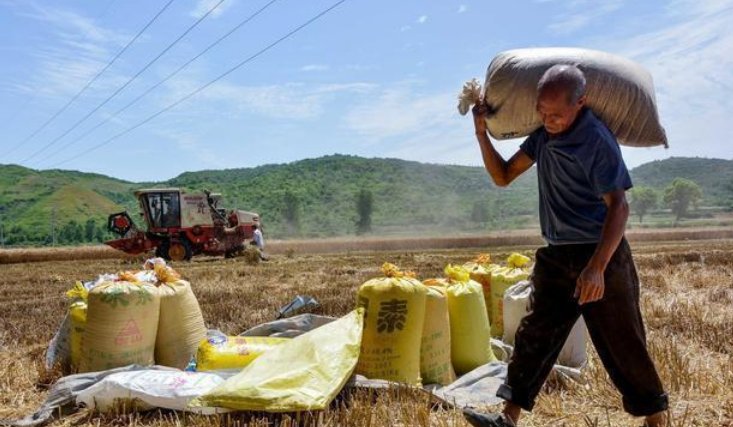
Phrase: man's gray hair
[566,78]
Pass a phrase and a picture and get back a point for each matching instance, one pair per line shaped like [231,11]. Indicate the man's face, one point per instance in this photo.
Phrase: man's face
[556,110]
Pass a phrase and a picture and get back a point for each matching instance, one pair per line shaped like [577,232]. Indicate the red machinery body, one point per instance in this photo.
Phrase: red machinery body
[181,225]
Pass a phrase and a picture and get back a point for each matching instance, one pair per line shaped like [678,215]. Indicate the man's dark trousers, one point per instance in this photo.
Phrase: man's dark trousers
[614,324]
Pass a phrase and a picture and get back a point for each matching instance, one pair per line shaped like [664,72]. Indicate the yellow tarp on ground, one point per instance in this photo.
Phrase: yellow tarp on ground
[304,374]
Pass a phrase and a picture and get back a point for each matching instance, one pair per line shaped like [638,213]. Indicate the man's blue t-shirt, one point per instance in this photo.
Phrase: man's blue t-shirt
[574,170]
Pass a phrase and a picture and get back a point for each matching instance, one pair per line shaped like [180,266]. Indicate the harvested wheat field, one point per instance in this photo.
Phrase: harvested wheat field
[687,300]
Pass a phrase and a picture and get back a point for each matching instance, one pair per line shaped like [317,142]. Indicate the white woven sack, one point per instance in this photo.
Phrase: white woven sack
[517,304]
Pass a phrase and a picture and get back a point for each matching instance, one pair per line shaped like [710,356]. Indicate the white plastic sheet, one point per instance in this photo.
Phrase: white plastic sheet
[170,389]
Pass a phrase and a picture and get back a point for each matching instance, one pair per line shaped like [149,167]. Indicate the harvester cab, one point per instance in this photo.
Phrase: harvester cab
[181,225]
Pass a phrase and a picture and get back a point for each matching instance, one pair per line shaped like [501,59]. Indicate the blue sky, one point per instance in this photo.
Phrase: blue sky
[371,78]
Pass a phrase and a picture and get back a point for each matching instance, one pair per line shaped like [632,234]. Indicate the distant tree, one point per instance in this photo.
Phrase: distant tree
[100,234]
[364,209]
[72,232]
[680,194]
[291,212]
[480,212]
[89,230]
[501,208]
[16,235]
[643,199]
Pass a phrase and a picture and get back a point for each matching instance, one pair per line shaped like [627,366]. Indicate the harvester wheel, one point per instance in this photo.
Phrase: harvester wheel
[161,251]
[179,250]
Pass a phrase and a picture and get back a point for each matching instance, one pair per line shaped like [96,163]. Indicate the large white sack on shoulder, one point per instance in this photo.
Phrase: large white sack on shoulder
[620,92]
[169,389]
[517,304]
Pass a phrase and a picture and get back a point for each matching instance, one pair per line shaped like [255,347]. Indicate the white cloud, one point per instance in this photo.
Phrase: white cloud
[292,100]
[81,48]
[72,25]
[581,13]
[197,146]
[462,8]
[203,6]
[405,28]
[413,125]
[314,67]
[360,67]
[690,62]
[400,111]
[423,19]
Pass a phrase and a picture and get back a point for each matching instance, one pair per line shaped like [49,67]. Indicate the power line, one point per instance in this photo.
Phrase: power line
[90,82]
[30,99]
[109,98]
[200,89]
[155,86]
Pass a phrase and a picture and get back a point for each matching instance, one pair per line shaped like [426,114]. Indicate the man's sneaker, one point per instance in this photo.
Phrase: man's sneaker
[477,419]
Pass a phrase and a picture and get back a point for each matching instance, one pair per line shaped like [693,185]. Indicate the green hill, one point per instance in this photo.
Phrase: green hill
[715,176]
[32,201]
[317,197]
[408,196]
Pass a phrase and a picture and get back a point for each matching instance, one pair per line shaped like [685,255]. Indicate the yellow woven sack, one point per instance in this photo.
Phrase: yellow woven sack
[435,361]
[395,313]
[501,279]
[480,270]
[181,325]
[122,323]
[303,374]
[469,323]
[221,352]
[78,316]
[78,319]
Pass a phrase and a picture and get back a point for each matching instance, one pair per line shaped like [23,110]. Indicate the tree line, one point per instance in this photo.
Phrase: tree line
[69,233]
[679,196]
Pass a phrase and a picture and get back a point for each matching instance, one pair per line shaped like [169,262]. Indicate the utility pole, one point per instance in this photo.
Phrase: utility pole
[53,226]
[2,227]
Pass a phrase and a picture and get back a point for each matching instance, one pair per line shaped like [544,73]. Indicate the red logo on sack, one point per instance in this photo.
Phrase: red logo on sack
[129,334]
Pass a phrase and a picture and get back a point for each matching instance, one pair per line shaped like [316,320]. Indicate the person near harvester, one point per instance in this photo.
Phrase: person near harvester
[587,267]
[258,241]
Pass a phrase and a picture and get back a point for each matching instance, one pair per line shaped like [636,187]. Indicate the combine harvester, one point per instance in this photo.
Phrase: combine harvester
[181,225]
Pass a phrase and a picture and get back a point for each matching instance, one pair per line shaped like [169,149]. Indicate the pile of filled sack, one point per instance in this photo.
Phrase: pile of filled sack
[430,331]
[141,337]
[144,317]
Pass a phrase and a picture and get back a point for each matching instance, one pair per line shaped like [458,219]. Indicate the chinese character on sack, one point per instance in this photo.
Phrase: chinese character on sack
[392,315]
